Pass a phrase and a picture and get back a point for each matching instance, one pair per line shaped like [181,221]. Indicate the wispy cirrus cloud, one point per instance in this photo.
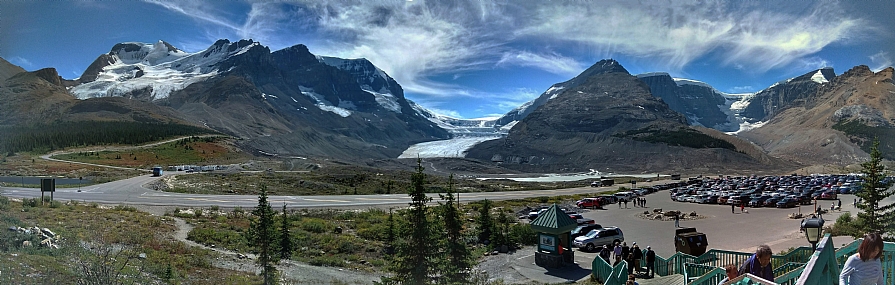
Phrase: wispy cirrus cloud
[880,60]
[21,61]
[678,33]
[552,62]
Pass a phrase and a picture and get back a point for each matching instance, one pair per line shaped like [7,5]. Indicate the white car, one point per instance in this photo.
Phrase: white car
[598,238]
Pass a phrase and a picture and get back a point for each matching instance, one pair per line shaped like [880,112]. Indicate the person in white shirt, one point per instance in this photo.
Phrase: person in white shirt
[864,267]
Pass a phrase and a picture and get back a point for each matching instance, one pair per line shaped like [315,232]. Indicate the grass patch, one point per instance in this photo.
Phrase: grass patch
[87,231]
[193,150]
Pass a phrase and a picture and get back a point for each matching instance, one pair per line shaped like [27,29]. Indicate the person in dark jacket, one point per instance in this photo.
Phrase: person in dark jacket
[759,264]
[650,262]
[625,251]
[605,253]
[638,255]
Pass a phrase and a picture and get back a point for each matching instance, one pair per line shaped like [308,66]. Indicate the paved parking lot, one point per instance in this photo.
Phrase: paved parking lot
[724,230]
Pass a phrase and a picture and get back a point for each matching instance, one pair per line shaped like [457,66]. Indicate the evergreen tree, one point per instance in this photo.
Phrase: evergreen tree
[413,260]
[262,234]
[874,216]
[486,223]
[458,260]
[286,246]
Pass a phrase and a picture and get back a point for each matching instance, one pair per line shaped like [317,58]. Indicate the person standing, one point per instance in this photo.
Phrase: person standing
[742,207]
[677,220]
[839,201]
[644,202]
[626,203]
[864,267]
[618,253]
[619,203]
[759,264]
[604,253]
[650,262]
[732,207]
[638,255]
[625,251]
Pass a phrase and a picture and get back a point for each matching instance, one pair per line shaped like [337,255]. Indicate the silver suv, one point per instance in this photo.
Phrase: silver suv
[595,238]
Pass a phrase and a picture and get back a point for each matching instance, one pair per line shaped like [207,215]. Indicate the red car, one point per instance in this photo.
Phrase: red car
[828,195]
[588,203]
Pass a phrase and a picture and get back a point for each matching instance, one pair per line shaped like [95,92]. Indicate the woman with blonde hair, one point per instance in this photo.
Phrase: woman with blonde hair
[864,267]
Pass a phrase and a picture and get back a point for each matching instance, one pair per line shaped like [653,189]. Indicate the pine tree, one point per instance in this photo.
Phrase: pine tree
[874,216]
[263,237]
[286,246]
[457,261]
[413,260]
[486,223]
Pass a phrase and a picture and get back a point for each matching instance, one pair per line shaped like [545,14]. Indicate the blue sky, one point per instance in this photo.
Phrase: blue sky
[480,58]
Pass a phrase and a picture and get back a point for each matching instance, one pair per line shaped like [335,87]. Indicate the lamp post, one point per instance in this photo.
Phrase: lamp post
[813,230]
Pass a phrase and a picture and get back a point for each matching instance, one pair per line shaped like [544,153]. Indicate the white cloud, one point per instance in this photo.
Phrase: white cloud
[443,112]
[881,60]
[552,62]
[676,34]
[741,89]
[21,61]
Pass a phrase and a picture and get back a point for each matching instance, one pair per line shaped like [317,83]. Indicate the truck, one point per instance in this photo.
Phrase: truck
[156,171]
[602,183]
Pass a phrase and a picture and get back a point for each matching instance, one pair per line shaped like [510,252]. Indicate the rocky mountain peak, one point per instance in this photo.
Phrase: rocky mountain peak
[603,66]
[50,75]
[860,70]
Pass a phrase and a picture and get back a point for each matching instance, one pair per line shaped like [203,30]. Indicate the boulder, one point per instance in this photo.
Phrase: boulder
[657,210]
[46,242]
[672,213]
[693,214]
[13,228]
[142,255]
[646,212]
[35,230]
[26,243]
[47,232]
[657,217]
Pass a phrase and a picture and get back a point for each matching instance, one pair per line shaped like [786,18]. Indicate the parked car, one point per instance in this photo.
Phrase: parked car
[757,202]
[624,196]
[582,222]
[723,199]
[574,215]
[534,214]
[828,195]
[584,229]
[772,202]
[595,238]
[588,203]
[786,203]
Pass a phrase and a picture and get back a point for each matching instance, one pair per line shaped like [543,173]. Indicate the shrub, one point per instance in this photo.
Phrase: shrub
[314,225]
[4,203]
[846,225]
[523,234]
[125,208]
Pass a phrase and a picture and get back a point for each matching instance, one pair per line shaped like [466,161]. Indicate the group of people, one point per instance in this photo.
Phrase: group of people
[638,201]
[632,255]
[861,268]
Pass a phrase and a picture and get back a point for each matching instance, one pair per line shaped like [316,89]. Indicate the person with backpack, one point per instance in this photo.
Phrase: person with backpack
[605,253]
[650,262]
[638,255]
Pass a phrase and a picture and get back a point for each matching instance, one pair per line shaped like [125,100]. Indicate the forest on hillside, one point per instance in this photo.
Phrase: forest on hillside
[49,137]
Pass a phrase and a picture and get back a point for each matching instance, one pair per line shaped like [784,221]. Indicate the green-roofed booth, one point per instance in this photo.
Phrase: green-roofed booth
[554,228]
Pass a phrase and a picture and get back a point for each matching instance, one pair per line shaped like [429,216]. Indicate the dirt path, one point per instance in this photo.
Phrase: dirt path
[293,272]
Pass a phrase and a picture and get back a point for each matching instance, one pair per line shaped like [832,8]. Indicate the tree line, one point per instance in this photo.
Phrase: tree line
[48,137]
[424,244]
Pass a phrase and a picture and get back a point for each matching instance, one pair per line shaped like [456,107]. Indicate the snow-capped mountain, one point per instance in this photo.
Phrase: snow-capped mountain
[512,117]
[152,71]
[288,101]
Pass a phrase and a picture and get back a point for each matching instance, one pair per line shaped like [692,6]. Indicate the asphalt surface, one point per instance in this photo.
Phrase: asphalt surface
[133,191]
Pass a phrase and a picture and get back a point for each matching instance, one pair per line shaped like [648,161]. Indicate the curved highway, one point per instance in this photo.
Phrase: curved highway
[132,191]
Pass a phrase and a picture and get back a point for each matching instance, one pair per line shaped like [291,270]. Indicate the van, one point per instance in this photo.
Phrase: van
[624,196]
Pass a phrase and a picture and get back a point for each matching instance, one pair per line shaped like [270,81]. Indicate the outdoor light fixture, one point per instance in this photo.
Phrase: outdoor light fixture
[813,230]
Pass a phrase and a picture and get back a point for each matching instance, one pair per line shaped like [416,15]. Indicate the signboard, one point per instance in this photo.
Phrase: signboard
[547,242]
[47,185]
